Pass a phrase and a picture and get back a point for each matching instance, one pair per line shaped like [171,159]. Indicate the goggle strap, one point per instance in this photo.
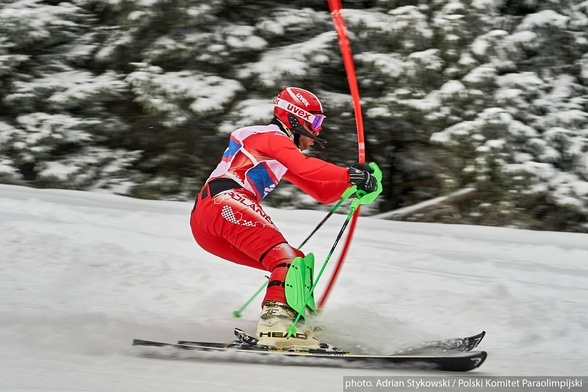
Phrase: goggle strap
[301,131]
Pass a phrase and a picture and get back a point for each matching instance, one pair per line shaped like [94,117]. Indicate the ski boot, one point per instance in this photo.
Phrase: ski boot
[272,328]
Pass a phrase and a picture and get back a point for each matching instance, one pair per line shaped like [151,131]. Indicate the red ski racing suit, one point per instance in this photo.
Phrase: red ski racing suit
[228,220]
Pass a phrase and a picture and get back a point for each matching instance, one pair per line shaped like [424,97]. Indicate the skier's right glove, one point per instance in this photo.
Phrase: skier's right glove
[362,178]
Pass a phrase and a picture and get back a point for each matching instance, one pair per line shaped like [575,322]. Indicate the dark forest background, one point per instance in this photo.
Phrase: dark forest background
[138,98]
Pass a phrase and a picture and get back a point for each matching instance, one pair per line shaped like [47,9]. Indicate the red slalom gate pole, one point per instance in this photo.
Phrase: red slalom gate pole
[339,21]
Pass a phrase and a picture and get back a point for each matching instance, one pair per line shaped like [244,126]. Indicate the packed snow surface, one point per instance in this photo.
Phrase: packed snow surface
[83,273]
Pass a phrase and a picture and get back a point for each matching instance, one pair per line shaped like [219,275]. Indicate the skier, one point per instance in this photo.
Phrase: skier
[229,222]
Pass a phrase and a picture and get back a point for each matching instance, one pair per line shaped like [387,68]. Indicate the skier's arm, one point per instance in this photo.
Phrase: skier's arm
[323,191]
[323,181]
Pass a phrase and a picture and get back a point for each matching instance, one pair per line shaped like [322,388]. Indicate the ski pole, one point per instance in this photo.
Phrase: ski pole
[344,197]
[354,206]
[361,198]
[237,313]
[350,191]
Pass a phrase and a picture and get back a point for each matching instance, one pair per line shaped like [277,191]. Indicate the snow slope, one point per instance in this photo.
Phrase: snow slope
[82,274]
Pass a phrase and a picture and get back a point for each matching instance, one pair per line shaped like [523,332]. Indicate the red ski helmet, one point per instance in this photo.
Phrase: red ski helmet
[295,107]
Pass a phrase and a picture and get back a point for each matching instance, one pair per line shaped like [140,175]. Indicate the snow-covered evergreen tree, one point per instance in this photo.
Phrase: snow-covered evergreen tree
[56,130]
[527,154]
[138,96]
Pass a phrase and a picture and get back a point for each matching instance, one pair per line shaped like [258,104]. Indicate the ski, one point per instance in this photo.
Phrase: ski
[435,346]
[445,345]
[239,350]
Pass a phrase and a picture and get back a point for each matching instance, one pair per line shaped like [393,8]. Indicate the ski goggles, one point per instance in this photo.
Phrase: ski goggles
[315,120]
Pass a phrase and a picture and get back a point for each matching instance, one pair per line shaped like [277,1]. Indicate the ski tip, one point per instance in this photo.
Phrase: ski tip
[464,363]
[479,361]
[476,340]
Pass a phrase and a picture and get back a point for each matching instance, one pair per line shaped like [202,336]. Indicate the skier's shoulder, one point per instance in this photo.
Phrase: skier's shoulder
[270,130]
[269,136]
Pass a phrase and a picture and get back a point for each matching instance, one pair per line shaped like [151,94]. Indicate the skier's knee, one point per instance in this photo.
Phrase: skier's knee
[280,254]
